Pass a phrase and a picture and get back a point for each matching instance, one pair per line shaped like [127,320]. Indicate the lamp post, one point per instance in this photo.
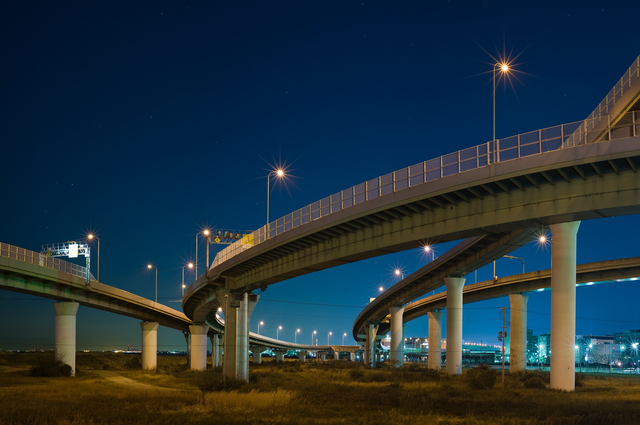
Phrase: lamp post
[430,250]
[329,336]
[190,265]
[260,324]
[207,239]
[314,332]
[92,236]
[278,332]
[398,272]
[512,257]
[504,68]
[343,335]
[295,336]
[150,266]
[279,173]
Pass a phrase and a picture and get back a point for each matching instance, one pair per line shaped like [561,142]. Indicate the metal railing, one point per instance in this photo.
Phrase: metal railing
[31,257]
[537,142]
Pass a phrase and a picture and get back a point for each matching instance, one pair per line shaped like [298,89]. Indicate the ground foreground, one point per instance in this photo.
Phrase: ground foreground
[109,389]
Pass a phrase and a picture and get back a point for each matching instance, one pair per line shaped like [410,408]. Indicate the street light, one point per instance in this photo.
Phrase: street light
[512,257]
[343,335]
[278,173]
[295,336]
[381,289]
[398,272]
[329,336]
[190,265]
[278,332]
[431,251]
[92,236]
[314,332]
[150,266]
[504,68]
[260,324]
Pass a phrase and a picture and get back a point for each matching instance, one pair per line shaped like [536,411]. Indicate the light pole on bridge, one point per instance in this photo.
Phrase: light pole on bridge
[150,266]
[279,173]
[190,265]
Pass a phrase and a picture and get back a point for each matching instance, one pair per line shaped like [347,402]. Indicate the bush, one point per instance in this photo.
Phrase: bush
[49,368]
[481,378]
[534,382]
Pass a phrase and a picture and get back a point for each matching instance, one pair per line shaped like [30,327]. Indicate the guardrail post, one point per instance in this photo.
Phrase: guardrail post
[518,146]
[441,172]
[609,125]
[497,150]
[459,162]
[477,157]
[633,120]
[561,135]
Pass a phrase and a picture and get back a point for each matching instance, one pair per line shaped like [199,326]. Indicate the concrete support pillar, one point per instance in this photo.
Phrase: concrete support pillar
[280,356]
[257,354]
[302,356]
[243,339]
[323,356]
[352,357]
[199,346]
[215,350]
[518,344]
[563,305]
[230,363]
[336,355]
[435,340]
[370,345]
[396,350]
[454,324]
[149,345]
[66,333]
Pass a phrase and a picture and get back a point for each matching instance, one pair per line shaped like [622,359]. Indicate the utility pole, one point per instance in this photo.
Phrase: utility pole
[503,336]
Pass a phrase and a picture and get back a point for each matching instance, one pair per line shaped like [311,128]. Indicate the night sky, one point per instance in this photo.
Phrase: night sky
[147,123]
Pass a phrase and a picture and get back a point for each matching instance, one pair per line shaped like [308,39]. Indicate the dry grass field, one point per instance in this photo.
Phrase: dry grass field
[109,388]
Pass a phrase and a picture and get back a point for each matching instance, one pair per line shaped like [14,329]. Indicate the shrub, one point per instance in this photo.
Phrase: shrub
[134,363]
[481,378]
[534,382]
[49,368]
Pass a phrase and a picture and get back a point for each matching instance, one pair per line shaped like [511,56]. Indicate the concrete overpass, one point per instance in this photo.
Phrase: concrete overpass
[32,273]
[548,177]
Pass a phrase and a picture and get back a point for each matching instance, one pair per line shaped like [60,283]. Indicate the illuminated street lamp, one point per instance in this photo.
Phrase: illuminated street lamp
[329,336]
[295,336]
[431,251]
[92,236]
[278,332]
[398,272]
[314,332]
[278,173]
[260,324]
[503,68]
[343,335]
[190,265]
[150,266]
[381,289]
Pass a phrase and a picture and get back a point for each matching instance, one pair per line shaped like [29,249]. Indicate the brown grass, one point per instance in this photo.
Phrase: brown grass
[330,393]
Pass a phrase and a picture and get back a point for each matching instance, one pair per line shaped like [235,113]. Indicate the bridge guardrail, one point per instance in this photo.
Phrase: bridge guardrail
[537,142]
[31,257]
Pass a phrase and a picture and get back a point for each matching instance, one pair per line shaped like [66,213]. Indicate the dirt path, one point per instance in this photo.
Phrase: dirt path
[114,377]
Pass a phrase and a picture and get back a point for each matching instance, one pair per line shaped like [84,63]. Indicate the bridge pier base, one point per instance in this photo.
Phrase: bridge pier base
[257,354]
[215,350]
[396,350]
[302,356]
[199,346]
[66,333]
[323,356]
[454,324]
[518,345]
[280,355]
[435,340]
[352,357]
[370,345]
[563,305]
[149,345]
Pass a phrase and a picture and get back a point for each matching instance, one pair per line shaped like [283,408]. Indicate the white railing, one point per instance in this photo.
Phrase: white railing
[31,257]
[501,150]
[537,142]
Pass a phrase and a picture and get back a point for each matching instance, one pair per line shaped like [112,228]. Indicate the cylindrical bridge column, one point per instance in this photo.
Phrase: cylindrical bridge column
[66,333]
[454,324]
[199,346]
[518,344]
[302,356]
[435,340]
[370,345]
[563,305]
[149,345]
[396,350]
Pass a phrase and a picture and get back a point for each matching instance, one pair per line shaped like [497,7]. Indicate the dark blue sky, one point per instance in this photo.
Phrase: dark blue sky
[147,123]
